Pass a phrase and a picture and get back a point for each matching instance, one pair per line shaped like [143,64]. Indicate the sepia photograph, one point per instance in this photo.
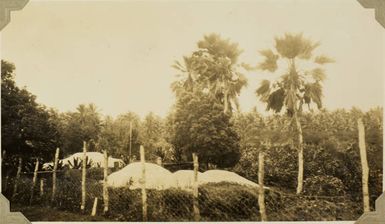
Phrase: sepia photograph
[192,111]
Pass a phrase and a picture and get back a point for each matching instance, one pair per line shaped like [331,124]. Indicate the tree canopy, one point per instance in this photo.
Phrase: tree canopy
[296,86]
[26,127]
[214,68]
[200,126]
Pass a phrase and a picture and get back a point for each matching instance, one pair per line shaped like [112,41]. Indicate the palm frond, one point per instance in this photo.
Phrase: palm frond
[276,100]
[263,90]
[295,45]
[313,93]
[318,74]
[248,67]
[240,82]
[322,59]
[270,62]
[307,49]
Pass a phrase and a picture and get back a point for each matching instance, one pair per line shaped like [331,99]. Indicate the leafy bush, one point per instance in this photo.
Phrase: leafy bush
[95,173]
[324,186]
[125,204]
[280,167]
[225,201]
[301,209]
[69,190]
[163,205]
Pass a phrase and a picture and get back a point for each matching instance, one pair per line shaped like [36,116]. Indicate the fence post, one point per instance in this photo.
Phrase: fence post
[54,174]
[34,180]
[195,189]
[159,161]
[364,164]
[5,183]
[84,167]
[143,180]
[105,187]
[93,213]
[3,156]
[130,151]
[261,192]
[41,187]
[17,177]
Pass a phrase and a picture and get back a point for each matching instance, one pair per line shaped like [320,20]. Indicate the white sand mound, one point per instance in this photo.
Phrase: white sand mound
[184,178]
[157,177]
[97,160]
[216,176]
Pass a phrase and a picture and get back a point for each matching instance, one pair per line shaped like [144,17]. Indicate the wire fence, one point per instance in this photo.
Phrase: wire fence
[70,190]
[216,201]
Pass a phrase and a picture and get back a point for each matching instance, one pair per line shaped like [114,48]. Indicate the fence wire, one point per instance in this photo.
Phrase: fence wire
[216,201]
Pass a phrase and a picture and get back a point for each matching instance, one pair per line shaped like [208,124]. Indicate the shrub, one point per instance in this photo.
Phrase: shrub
[69,191]
[226,201]
[324,186]
[163,205]
[125,204]
[95,173]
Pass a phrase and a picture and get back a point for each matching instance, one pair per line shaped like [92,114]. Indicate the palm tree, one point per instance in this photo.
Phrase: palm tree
[295,87]
[89,119]
[213,68]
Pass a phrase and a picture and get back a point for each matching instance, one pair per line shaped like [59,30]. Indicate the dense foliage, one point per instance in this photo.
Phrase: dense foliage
[331,154]
[200,126]
[28,129]
[213,68]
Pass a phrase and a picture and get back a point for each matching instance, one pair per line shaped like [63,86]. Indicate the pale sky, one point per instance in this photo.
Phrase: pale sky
[118,55]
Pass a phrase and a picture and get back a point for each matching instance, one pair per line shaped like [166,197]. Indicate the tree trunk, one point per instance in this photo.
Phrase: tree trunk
[364,165]
[300,154]
[261,193]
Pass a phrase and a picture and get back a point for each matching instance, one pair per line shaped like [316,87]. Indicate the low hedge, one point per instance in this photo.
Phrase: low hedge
[217,202]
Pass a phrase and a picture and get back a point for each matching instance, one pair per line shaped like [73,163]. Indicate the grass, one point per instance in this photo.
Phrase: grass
[37,213]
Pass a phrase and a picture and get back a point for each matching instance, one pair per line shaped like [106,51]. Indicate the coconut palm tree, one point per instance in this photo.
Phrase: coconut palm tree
[295,87]
[90,122]
[213,68]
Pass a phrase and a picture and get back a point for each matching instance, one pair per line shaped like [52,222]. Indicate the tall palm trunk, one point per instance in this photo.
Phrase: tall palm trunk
[295,109]
[300,154]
